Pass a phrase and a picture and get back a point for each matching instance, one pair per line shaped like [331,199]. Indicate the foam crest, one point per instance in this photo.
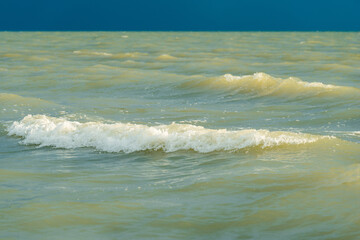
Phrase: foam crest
[265,84]
[89,53]
[127,137]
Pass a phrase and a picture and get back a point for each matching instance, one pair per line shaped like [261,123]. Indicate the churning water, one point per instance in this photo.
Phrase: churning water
[179,135]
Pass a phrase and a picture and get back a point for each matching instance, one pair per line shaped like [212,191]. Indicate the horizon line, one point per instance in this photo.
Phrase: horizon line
[39,30]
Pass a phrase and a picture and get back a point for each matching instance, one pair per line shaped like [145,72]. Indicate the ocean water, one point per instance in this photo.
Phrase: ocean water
[179,135]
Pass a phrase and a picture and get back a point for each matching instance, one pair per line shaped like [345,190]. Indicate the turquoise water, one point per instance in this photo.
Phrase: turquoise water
[179,135]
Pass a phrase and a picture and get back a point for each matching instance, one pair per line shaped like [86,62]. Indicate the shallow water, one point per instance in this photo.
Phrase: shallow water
[179,135]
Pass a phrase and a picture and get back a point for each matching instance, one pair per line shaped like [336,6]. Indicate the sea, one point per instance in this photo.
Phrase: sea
[180,135]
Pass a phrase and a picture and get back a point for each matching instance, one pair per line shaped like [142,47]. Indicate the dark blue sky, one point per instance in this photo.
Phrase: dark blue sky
[175,15]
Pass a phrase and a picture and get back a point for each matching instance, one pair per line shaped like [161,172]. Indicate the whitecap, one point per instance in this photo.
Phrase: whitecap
[128,137]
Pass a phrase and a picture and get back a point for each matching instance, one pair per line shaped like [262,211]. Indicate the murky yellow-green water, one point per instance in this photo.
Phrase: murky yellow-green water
[179,135]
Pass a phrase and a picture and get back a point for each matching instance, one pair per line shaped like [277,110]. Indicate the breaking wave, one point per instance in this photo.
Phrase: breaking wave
[264,84]
[126,137]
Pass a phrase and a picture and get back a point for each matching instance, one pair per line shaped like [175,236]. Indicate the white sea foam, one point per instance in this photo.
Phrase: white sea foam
[127,137]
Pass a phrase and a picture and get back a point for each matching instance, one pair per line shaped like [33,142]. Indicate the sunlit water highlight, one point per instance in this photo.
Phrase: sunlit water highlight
[179,135]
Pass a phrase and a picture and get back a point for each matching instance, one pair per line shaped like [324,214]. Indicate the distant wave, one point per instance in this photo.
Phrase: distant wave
[126,137]
[89,53]
[264,84]
[165,57]
[110,55]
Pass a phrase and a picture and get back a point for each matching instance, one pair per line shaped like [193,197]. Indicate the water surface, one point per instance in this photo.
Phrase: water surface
[179,135]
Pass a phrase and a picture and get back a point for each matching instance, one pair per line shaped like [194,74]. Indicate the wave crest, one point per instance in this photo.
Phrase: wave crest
[9,99]
[263,84]
[127,137]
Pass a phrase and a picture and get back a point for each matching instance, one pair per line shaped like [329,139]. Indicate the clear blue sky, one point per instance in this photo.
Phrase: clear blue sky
[175,15]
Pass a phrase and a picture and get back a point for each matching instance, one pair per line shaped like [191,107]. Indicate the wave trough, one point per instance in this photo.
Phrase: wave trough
[126,137]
